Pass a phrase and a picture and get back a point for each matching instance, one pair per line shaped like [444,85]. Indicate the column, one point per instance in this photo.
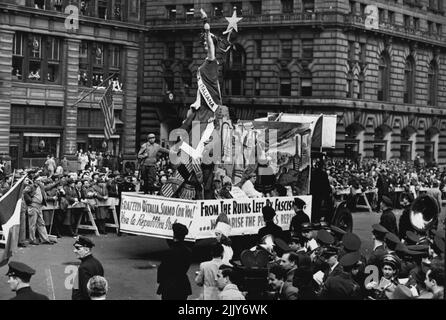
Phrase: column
[6,40]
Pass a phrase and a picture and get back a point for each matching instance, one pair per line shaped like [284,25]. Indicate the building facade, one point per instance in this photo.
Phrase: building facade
[52,53]
[381,69]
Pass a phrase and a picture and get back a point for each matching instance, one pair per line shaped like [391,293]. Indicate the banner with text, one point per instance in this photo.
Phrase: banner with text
[154,215]
[245,215]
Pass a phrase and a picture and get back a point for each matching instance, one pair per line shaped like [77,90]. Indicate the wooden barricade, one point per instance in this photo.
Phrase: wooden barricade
[112,203]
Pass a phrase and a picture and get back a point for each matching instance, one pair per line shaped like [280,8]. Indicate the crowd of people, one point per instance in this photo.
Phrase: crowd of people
[312,261]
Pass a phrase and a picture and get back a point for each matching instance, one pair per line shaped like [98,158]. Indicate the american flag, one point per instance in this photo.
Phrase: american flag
[108,107]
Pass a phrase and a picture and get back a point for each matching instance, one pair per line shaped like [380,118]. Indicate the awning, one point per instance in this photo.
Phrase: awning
[101,136]
[36,134]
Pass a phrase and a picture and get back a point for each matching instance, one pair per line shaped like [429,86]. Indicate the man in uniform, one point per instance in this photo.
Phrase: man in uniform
[379,247]
[88,268]
[388,219]
[147,157]
[172,272]
[19,276]
[299,218]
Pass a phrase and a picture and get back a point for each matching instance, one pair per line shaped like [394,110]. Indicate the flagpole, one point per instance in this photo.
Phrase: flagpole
[92,90]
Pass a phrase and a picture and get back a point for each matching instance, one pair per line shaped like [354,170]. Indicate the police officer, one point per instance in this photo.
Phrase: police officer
[379,247]
[299,218]
[270,227]
[88,268]
[147,157]
[19,276]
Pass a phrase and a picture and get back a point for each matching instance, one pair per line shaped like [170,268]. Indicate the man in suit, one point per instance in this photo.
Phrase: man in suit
[19,277]
[300,217]
[388,219]
[88,268]
[172,272]
[289,263]
[342,286]
[283,290]
[207,275]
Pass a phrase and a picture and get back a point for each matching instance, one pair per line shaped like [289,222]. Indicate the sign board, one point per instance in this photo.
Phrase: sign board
[154,215]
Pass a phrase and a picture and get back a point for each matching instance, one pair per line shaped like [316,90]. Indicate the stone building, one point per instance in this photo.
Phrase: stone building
[52,53]
[381,68]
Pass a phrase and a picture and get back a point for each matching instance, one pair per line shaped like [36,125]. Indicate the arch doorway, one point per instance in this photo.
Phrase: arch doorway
[354,142]
[381,144]
[432,138]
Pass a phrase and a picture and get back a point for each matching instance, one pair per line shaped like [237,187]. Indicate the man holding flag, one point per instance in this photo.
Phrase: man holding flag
[10,206]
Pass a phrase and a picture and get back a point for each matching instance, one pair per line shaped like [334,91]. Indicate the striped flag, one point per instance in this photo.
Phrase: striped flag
[108,107]
[10,206]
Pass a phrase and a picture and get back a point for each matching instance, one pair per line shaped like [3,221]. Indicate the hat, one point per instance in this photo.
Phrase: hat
[268,212]
[84,241]
[298,202]
[401,292]
[391,260]
[179,230]
[324,237]
[351,242]
[306,226]
[379,228]
[21,270]
[387,201]
[97,286]
[412,237]
[350,259]
[151,135]
[337,232]
[223,228]
[391,237]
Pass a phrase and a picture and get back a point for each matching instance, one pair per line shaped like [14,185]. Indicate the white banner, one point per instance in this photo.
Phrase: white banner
[154,215]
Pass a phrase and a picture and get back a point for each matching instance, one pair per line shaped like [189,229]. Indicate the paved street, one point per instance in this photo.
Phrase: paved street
[129,263]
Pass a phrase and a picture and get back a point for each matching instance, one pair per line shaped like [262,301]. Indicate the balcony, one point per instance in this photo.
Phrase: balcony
[263,20]
[407,32]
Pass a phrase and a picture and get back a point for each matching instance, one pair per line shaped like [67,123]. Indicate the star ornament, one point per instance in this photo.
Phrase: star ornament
[232,22]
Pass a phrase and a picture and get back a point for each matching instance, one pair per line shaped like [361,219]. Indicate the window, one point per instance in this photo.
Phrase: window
[258,48]
[256,7]
[430,27]
[39,4]
[306,84]
[381,15]
[286,49]
[409,80]
[188,49]
[134,9]
[35,59]
[256,86]
[439,27]
[406,21]
[308,6]
[97,62]
[285,83]
[186,78]
[117,10]
[383,77]
[169,80]
[351,50]
[353,8]
[234,72]
[391,16]
[171,12]
[36,116]
[17,56]
[218,9]
[287,6]
[170,50]
[416,23]
[362,52]
[405,152]
[361,81]
[350,87]
[40,147]
[379,151]
[53,60]
[307,49]
[90,118]
[103,9]
[238,7]
[189,11]
[432,84]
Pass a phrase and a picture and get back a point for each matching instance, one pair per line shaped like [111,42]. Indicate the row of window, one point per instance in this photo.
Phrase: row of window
[388,17]
[254,8]
[37,58]
[286,47]
[104,9]
[384,69]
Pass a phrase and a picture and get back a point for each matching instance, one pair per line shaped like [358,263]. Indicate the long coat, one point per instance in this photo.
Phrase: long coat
[88,268]
[388,221]
[172,272]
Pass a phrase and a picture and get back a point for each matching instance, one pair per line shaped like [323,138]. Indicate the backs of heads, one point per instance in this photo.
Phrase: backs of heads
[97,286]
[233,275]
